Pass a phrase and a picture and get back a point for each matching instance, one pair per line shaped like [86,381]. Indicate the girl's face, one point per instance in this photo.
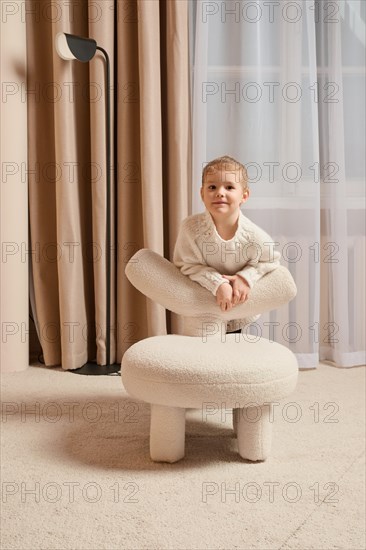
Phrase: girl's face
[222,193]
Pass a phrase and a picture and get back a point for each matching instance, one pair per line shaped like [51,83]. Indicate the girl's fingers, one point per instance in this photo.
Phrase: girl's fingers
[225,305]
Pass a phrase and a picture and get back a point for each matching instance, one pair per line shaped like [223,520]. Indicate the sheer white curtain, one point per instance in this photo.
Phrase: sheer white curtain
[281,87]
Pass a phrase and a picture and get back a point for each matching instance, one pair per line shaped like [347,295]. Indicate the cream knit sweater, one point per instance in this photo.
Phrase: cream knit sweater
[204,256]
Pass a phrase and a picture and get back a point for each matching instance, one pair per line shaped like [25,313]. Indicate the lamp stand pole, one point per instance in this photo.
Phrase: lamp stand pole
[92,368]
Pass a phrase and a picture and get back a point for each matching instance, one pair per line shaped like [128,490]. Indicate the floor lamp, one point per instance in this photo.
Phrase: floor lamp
[71,47]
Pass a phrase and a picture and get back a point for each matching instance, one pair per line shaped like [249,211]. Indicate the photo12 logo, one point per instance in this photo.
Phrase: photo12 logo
[270,92]
[68,492]
[69,11]
[270,11]
[270,491]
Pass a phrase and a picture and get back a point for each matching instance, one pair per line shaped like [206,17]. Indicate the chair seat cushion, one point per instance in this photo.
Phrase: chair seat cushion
[184,371]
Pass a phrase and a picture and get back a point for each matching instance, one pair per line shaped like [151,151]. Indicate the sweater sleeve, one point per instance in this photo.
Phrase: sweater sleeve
[261,256]
[189,259]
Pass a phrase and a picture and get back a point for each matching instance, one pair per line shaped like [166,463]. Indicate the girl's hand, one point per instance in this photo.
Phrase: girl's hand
[224,296]
[240,288]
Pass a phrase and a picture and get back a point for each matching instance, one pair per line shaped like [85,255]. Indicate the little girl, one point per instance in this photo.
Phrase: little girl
[220,248]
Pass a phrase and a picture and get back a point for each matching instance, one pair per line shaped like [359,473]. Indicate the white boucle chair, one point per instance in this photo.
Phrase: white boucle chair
[205,368]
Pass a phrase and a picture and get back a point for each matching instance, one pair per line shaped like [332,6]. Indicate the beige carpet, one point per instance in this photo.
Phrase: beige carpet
[76,472]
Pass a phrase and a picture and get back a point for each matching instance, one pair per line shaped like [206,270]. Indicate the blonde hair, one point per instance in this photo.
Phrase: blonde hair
[227,164]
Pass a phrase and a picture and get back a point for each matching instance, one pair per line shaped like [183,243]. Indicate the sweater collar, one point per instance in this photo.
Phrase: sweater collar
[209,227]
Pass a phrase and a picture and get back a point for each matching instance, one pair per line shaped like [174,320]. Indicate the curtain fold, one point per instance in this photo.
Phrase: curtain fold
[176,129]
[101,28]
[67,135]
[150,157]
[154,114]
[341,59]
[54,190]
[283,90]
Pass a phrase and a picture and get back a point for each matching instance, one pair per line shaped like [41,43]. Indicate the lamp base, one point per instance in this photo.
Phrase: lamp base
[92,369]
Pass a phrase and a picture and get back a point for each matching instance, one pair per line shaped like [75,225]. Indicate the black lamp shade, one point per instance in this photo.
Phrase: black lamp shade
[69,46]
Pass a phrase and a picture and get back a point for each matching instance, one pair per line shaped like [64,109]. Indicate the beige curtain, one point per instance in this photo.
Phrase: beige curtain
[147,42]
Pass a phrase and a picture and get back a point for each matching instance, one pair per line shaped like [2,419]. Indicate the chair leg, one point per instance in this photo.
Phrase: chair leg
[254,432]
[206,327]
[167,433]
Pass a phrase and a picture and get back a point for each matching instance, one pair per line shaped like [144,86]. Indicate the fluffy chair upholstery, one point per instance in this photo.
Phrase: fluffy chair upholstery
[177,372]
[162,282]
[181,371]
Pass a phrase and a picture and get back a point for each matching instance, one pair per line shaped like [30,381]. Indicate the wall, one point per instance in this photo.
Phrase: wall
[14,300]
